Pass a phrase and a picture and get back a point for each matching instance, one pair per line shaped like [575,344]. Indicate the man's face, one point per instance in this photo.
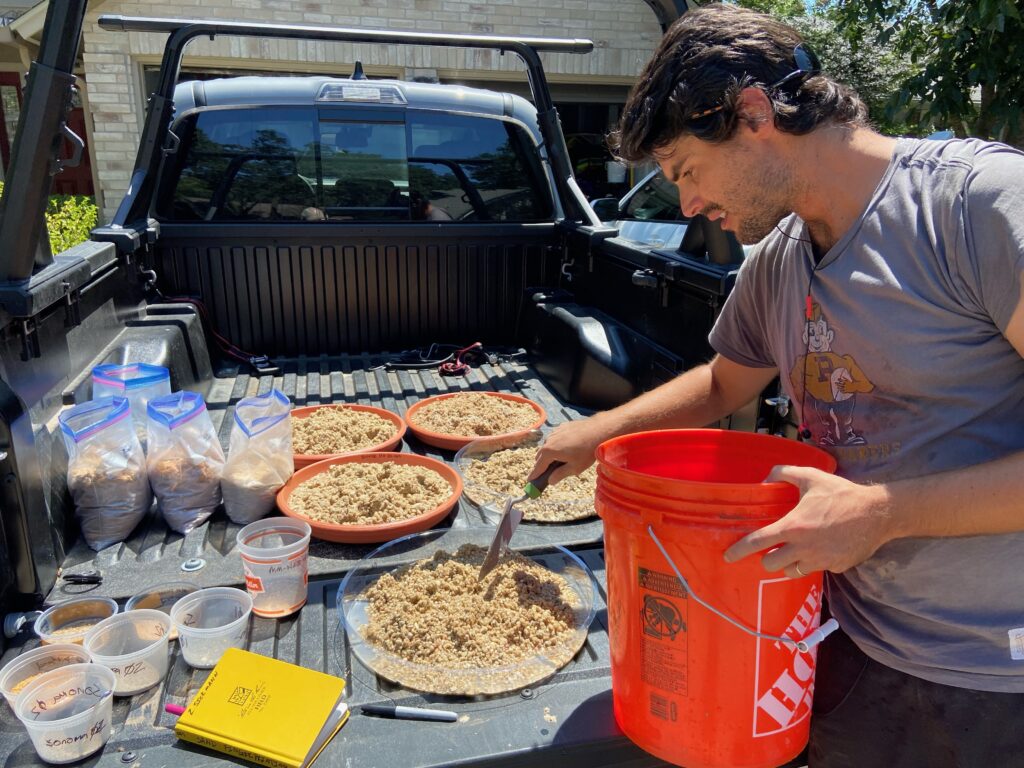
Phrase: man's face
[741,183]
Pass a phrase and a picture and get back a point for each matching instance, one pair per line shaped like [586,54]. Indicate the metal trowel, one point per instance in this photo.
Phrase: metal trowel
[510,517]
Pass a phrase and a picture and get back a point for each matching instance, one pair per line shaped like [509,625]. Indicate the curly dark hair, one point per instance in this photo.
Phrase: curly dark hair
[704,61]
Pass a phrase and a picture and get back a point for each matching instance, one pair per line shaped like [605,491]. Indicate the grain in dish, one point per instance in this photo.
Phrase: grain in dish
[332,430]
[504,473]
[474,414]
[370,493]
[438,614]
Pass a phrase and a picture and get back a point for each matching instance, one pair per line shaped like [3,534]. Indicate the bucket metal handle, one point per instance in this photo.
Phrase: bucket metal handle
[803,645]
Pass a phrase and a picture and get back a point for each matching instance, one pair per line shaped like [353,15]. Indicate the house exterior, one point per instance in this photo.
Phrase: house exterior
[118,70]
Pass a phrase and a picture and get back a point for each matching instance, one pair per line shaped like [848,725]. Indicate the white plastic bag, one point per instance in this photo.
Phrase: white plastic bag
[139,382]
[260,457]
[106,470]
[184,459]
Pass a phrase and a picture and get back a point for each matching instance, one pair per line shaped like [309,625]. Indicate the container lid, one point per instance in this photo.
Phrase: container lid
[175,409]
[130,376]
[86,419]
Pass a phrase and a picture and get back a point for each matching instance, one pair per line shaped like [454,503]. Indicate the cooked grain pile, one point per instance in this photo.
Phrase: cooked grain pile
[370,493]
[339,430]
[474,414]
[436,612]
[504,473]
[185,476]
[101,478]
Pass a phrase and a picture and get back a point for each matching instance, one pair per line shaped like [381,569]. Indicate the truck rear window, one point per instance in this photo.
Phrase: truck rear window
[304,164]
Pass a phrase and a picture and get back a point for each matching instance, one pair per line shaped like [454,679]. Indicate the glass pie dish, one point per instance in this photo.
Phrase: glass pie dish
[495,468]
[566,576]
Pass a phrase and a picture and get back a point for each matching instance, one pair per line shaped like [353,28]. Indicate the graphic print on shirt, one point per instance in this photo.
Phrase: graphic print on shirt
[830,384]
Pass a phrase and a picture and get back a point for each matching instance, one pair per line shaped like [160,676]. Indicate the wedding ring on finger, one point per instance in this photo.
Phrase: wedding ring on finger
[798,569]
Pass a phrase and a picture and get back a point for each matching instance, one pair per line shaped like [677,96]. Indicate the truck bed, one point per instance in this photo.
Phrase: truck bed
[565,721]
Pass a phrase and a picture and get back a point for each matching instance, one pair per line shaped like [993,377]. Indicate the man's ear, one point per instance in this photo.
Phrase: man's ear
[754,109]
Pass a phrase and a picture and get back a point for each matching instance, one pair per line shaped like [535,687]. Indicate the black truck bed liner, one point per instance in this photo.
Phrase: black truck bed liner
[562,722]
[579,727]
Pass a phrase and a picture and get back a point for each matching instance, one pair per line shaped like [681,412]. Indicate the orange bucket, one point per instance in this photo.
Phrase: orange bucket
[688,686]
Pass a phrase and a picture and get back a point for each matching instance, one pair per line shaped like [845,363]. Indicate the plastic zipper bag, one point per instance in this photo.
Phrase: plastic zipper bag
[106,470]
[139,382]
[260,456]
[184,459]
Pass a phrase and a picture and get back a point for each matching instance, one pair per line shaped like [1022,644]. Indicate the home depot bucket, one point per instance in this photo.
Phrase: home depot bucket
[687,685]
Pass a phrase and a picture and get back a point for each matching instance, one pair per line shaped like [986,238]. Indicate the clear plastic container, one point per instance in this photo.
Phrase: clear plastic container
[69,622]
[275,557]
[551,507]
[134,646]
[209,622]
[22,670]
[463,681]
[67,711]
[162,598]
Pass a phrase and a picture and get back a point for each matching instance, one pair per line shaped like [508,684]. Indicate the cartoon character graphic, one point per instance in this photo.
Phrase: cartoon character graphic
[829,383]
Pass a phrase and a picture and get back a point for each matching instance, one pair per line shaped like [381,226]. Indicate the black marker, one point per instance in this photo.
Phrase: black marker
[409,713]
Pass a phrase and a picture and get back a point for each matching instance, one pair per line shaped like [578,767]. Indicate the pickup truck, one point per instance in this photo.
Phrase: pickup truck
[312,234]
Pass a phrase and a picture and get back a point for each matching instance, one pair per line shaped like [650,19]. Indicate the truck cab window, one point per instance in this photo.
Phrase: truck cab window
[242,165]
[289,163]
[364,171]
[472,169]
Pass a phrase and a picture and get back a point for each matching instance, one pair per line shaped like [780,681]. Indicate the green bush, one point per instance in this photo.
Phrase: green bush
[69,219]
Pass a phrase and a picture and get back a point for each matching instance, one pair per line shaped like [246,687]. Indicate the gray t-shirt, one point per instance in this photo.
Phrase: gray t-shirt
[909,373]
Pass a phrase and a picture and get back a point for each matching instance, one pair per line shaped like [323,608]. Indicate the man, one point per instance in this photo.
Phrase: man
[910,255]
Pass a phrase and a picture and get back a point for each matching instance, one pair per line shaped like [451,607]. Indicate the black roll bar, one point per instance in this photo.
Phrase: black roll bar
[42,128]
[135,205]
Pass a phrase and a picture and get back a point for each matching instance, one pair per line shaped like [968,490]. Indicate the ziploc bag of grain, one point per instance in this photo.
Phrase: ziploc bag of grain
[139,382]
[184,459]
[106,469]
[260,458]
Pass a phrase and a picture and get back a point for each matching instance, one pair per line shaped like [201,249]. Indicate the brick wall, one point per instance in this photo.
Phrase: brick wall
[624,33]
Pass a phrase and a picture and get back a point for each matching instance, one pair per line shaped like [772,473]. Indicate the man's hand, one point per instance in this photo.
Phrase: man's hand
[836,525]
[574,443]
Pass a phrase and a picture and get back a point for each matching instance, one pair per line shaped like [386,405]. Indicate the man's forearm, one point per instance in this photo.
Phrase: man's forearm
[985,498]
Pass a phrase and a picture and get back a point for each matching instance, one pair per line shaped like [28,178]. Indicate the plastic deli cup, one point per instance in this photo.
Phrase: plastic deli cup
[275,557]
[70,621]
[24,669]
[209,622]
[162,598]
[66,711]
[134,646]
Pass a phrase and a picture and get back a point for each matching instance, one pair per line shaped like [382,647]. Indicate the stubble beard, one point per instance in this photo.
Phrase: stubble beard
[776,183]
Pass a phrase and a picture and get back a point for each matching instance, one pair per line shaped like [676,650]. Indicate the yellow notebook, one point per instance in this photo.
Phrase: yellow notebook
[264,710]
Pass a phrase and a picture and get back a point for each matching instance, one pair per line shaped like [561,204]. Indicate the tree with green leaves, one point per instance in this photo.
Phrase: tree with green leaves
[967,60]
[873,70]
